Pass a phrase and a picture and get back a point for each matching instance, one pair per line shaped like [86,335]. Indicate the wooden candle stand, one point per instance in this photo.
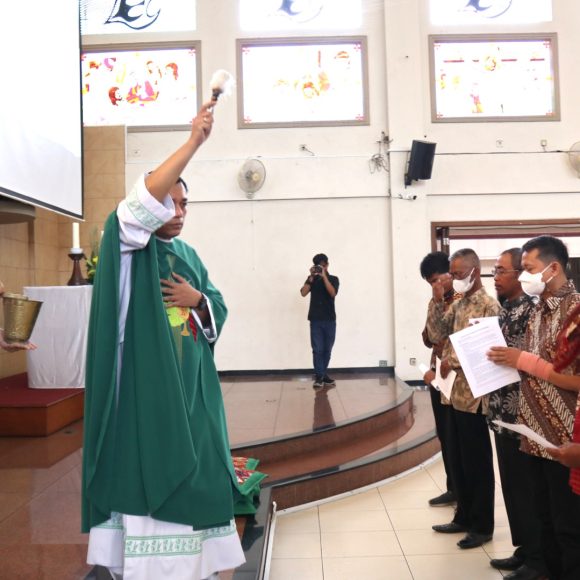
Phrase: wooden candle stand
[76,278]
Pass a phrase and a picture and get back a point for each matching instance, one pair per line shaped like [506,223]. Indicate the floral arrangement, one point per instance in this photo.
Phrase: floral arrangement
[93,260]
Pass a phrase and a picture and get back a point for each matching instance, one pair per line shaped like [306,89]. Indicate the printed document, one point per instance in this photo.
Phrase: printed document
[471,345]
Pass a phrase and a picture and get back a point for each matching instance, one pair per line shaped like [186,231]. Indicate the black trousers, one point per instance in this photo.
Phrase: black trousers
[441,414]
[471,460]
[515,473]
[559,511]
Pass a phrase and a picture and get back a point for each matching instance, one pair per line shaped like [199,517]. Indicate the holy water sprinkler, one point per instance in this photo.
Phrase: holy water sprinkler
[222,82]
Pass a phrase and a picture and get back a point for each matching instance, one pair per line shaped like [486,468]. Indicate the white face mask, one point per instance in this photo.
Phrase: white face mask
[532,284]
[465,284]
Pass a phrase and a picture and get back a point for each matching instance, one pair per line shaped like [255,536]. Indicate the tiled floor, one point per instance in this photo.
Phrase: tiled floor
[384,533]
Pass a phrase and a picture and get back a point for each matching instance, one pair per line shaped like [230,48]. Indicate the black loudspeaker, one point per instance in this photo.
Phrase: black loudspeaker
[420,161]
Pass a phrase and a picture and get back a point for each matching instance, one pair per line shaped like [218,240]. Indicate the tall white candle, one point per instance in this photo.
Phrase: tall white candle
[76,240]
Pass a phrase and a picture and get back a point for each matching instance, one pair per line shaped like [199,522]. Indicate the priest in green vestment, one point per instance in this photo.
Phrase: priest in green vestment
[155,442]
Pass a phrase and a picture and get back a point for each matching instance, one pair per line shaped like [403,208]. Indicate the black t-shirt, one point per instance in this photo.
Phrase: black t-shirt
[321,303]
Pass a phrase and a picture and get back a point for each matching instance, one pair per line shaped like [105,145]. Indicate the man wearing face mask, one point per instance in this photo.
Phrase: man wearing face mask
[470,450]
[545,408]
[526,562]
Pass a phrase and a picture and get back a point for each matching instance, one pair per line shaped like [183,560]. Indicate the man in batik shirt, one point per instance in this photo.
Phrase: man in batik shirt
[548,409]
[470,445]
[526,562]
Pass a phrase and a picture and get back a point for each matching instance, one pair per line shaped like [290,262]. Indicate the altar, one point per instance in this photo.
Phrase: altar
[60,335]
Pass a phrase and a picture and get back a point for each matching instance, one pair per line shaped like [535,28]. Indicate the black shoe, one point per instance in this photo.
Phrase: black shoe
[444,499]
[525,573]
[318,383]
[473,540]
[450,528]
[511,563]
[328,382]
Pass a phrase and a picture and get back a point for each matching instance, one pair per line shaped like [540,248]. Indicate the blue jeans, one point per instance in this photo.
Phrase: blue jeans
[322,334]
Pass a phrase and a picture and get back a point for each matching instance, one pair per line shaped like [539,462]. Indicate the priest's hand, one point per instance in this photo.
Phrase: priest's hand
[202,123]
[179,292]
[14,346]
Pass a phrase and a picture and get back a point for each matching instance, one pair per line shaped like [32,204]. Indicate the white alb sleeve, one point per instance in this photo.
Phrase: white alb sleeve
[140,214]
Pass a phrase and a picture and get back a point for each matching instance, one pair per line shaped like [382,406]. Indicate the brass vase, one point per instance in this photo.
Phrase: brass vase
[20,316]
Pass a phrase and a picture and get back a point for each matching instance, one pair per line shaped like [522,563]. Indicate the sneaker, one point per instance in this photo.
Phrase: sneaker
[318,383]
[328,382]
[444,499]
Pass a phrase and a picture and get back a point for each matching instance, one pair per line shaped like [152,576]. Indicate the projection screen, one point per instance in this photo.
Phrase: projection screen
[40,105]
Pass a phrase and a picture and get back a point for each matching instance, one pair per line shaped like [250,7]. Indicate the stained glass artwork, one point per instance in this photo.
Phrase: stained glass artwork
[289,82]
[140,87]
[499,77]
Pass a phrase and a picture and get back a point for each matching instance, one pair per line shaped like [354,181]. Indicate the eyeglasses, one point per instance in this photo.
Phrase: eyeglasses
[501,271]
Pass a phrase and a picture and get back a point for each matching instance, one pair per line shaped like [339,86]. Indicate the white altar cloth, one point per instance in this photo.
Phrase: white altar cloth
[60,335]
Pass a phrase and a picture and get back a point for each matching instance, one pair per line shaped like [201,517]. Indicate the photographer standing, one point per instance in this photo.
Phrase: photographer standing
[323,288]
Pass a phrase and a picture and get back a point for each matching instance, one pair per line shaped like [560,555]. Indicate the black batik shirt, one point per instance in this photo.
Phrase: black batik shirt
[504,403]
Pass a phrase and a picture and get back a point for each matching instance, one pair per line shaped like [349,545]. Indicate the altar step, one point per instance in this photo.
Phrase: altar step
[318,465]
[26,412]
[354,453]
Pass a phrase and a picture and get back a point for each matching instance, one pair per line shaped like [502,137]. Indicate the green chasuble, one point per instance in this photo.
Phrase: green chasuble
[158,447]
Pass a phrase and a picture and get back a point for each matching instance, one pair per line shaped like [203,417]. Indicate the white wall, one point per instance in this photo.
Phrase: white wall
[258,252]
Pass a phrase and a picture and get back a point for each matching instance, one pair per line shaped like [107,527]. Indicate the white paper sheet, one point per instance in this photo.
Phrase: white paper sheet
[441,384]
[471,345]
[526,432]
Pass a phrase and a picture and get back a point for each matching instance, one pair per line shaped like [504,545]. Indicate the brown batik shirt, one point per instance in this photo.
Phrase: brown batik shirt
[428,341]
[478,305]
[545,408]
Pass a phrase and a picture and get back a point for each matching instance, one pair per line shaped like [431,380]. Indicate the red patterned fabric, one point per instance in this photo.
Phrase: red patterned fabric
[575,471]
[193,327]
[568,342]
[568,350]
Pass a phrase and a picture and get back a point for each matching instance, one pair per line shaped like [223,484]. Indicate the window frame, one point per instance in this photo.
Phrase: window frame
[550,37]
[156,46]
[243,43]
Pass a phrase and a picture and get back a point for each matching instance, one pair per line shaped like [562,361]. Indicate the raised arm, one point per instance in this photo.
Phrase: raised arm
[160,181]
